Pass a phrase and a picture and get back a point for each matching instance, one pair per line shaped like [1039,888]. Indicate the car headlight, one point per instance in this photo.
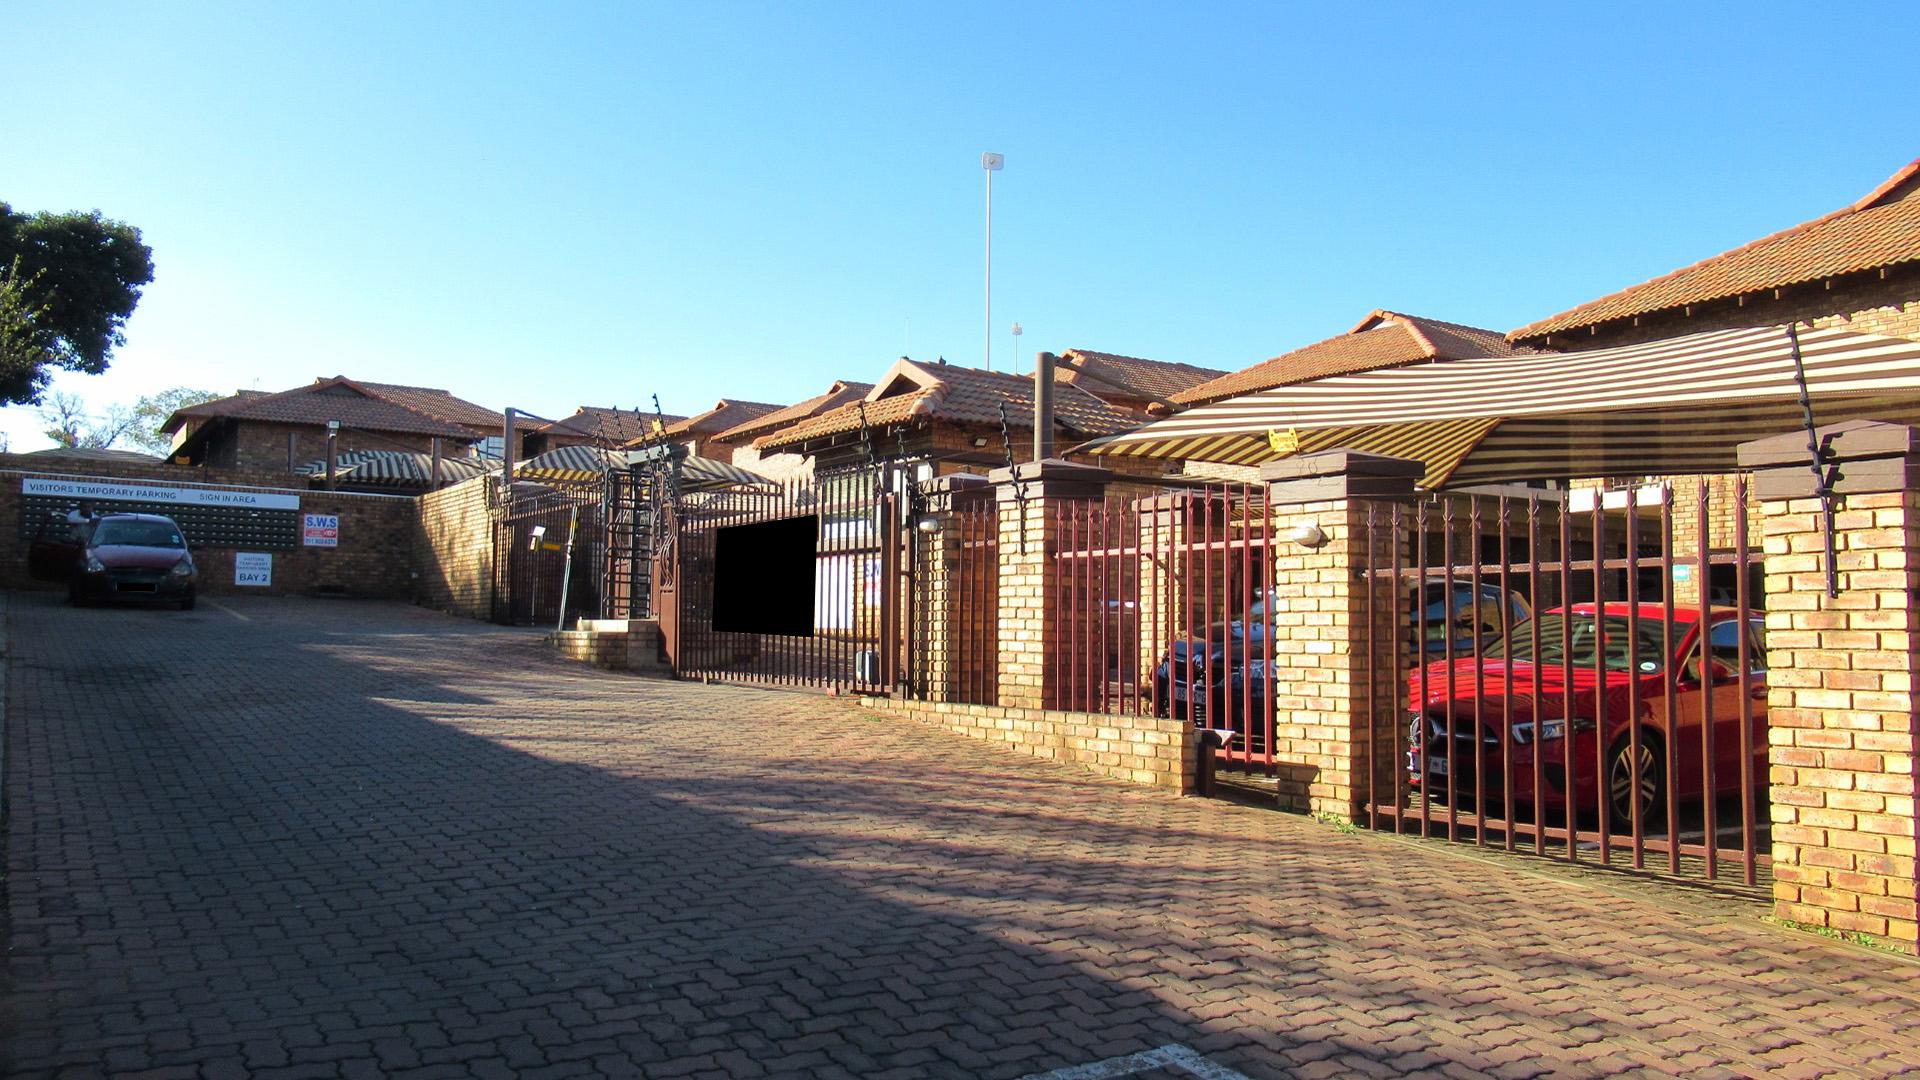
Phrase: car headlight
[95,566]
[183,568]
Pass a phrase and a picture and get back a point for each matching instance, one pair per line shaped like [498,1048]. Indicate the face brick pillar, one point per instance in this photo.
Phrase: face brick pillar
[1841,677]
[1331,693]
[948,616]
[1032,671]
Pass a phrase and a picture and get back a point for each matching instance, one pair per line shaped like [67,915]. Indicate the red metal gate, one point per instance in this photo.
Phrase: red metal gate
[1583,675]
[536,538]
[855,642]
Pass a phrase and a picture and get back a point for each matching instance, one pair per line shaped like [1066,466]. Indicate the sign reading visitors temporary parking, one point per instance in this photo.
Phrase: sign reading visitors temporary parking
[157,493]
[321,530]
[253,568]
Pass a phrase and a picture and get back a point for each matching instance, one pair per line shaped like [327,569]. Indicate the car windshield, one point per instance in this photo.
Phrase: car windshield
[159,534]
[1585,640]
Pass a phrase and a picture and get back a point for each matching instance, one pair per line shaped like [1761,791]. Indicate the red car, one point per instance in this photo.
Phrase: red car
[1621,668]
[133,557]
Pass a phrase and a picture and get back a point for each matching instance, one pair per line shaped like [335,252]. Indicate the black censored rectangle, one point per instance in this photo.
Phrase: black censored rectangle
[763,577]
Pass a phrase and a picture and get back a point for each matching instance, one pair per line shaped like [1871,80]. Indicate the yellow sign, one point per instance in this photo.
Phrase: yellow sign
[1287,442]
[658,427]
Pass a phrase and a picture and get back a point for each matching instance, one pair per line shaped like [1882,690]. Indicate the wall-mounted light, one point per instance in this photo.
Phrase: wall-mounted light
[927,523]
[979,440]
[1307,535]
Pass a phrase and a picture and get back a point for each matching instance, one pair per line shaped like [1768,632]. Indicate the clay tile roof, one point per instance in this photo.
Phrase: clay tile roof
[726,413]
[959,395]
[1882,229]
[1382,339]
[842,392]
[1152,378]
[354,405]
[613,427]
[438,404]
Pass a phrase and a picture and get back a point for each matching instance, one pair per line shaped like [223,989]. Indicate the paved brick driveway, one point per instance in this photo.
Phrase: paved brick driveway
[331,839]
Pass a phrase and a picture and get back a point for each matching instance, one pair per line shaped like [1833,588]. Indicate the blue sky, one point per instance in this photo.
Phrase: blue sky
[545,206]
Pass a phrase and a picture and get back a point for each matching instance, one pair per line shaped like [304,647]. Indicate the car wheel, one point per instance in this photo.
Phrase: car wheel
[1622,794]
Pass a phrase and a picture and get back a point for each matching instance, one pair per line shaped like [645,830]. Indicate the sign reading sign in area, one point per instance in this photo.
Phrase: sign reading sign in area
[156,493]
[253,568]
[321,530]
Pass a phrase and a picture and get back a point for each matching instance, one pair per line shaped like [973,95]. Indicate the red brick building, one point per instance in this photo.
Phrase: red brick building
[280,432]
[948,416]
[705,434]
[592,425]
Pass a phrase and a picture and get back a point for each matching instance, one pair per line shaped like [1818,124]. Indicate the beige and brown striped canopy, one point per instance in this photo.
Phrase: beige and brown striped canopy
[588,464]
[1676,406]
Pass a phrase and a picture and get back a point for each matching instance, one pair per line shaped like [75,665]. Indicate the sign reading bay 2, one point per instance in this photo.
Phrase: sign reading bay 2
[210,517]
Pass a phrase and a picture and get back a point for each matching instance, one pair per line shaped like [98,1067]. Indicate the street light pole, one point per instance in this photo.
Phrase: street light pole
[990,163]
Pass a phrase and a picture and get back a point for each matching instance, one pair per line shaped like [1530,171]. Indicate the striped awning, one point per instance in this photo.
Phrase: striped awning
[395,468]
[587,464]
[1676,406]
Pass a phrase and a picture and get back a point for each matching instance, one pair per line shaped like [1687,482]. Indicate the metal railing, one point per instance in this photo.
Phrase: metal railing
[1586,681]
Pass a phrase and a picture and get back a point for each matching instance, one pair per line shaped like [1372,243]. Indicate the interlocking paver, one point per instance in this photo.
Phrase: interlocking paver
[319,838]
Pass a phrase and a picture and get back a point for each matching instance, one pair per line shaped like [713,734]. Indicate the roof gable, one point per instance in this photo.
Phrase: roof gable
[1383,339]
[726,413]
[1878,231]
[842,392]
[950,394]
[1114,376]
[336,399]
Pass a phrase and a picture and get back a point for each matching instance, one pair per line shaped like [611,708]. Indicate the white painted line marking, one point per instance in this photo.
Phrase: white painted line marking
[228,610]
[1172,1056]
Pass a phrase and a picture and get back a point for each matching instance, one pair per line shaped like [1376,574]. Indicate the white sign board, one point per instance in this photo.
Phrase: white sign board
[158,493]
[320,530]
[253,568]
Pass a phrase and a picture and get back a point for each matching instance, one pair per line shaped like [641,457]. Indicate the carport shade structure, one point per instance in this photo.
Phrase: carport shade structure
[587,464]
[1676,406]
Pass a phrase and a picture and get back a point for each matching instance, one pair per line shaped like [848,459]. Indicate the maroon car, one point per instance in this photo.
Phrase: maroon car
[1613,710]
[133,557]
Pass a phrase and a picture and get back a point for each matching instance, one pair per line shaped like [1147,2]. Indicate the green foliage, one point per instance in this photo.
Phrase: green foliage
[71,424]
[1851,937]
[151,411]
[1339,823]
[20,351]
[71,281]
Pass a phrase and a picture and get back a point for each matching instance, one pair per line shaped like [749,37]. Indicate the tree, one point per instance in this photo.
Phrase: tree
[20,352]
[70,282]
[69,425]
[153,410]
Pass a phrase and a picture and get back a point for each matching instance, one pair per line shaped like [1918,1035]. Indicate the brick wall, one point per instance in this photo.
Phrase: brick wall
[1024,628]
[374,557]
[1840,713]
[453,545]
[1146,750]
[262,446]
[1329,699]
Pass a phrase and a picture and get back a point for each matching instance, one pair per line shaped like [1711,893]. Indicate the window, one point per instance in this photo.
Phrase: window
[157,534]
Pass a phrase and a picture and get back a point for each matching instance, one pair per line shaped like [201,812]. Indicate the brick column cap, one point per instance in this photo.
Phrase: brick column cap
[1861,456]
[1054,478]
[1340,474]
[954,484]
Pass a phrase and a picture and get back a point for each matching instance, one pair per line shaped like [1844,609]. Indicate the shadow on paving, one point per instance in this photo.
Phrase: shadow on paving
[292,843]
[250,861]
